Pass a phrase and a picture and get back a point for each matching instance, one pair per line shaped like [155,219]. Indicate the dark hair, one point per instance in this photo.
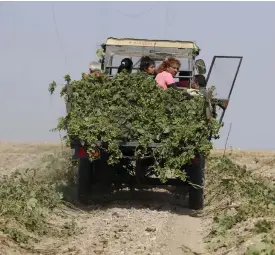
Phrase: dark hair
[200,78]
[145,62]
[127,64]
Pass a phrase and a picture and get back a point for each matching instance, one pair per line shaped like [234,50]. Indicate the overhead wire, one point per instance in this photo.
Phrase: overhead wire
[131,15]
[136,15]
[61,43]
[166,20]
[62,48]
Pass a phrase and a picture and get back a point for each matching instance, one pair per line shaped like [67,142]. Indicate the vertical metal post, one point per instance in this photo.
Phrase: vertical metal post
[210,69]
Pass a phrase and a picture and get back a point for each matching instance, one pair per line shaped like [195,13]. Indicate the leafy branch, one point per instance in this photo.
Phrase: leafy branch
[130,107]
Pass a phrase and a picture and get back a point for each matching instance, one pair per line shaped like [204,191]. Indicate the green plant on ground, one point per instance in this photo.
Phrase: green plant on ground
[237,198]
[264,247]
[28,198]
[28,202]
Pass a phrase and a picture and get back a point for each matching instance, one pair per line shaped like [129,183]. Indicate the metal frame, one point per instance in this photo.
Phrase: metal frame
[136,50]
[235,77]
[191,67]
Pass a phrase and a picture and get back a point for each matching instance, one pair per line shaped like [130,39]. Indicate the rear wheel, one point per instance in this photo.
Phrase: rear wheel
[196,175]
[94,178]
[84,180]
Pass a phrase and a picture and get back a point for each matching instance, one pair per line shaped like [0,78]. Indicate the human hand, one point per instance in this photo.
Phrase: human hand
[195,86]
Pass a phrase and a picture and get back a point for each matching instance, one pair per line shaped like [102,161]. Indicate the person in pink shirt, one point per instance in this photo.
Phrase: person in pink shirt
[166,72]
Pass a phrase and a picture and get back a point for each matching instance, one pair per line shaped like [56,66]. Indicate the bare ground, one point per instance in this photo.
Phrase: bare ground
[260,162]
[23,155]
[146,222]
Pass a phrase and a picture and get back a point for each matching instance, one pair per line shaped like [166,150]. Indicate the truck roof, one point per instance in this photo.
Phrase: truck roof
[156,49]
[150,43]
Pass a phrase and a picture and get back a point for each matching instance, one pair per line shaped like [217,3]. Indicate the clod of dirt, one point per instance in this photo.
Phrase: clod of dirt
[150,229]
[115,214]
[98,251]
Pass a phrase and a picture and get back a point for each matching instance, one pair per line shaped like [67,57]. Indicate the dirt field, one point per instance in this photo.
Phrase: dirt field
[260,162]
[151,222]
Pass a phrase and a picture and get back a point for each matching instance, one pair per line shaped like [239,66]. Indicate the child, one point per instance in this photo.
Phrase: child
[147,65]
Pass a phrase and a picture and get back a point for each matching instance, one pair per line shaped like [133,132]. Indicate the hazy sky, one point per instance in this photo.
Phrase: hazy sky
[33,52]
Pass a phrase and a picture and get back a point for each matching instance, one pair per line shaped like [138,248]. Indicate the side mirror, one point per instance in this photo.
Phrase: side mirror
[200,66]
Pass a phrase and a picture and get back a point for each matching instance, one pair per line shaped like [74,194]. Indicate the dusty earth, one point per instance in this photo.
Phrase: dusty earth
[147,222]
[259,162]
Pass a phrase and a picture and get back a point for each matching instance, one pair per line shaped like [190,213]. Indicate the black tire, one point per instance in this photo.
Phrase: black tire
[196,175]
[84,180]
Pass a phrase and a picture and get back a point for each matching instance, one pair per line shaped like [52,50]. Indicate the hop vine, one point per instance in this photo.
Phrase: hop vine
[130,107]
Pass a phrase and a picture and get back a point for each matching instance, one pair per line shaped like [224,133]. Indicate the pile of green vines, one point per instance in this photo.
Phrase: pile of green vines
[130,107]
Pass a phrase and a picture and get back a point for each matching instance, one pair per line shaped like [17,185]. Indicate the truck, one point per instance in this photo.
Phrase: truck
[93,172]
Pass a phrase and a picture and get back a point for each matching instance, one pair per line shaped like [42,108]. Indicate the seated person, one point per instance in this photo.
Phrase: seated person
[166,72]
[94,68]
[200,80]
[126,64]
[147,65]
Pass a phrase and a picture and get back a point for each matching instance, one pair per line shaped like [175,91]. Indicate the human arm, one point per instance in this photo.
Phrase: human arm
[186,94]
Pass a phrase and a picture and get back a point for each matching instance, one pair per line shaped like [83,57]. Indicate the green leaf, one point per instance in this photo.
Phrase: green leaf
[130,107]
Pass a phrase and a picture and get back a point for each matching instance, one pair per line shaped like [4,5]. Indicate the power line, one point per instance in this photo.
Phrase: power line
[166,23]
[61,44]
[136,15]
